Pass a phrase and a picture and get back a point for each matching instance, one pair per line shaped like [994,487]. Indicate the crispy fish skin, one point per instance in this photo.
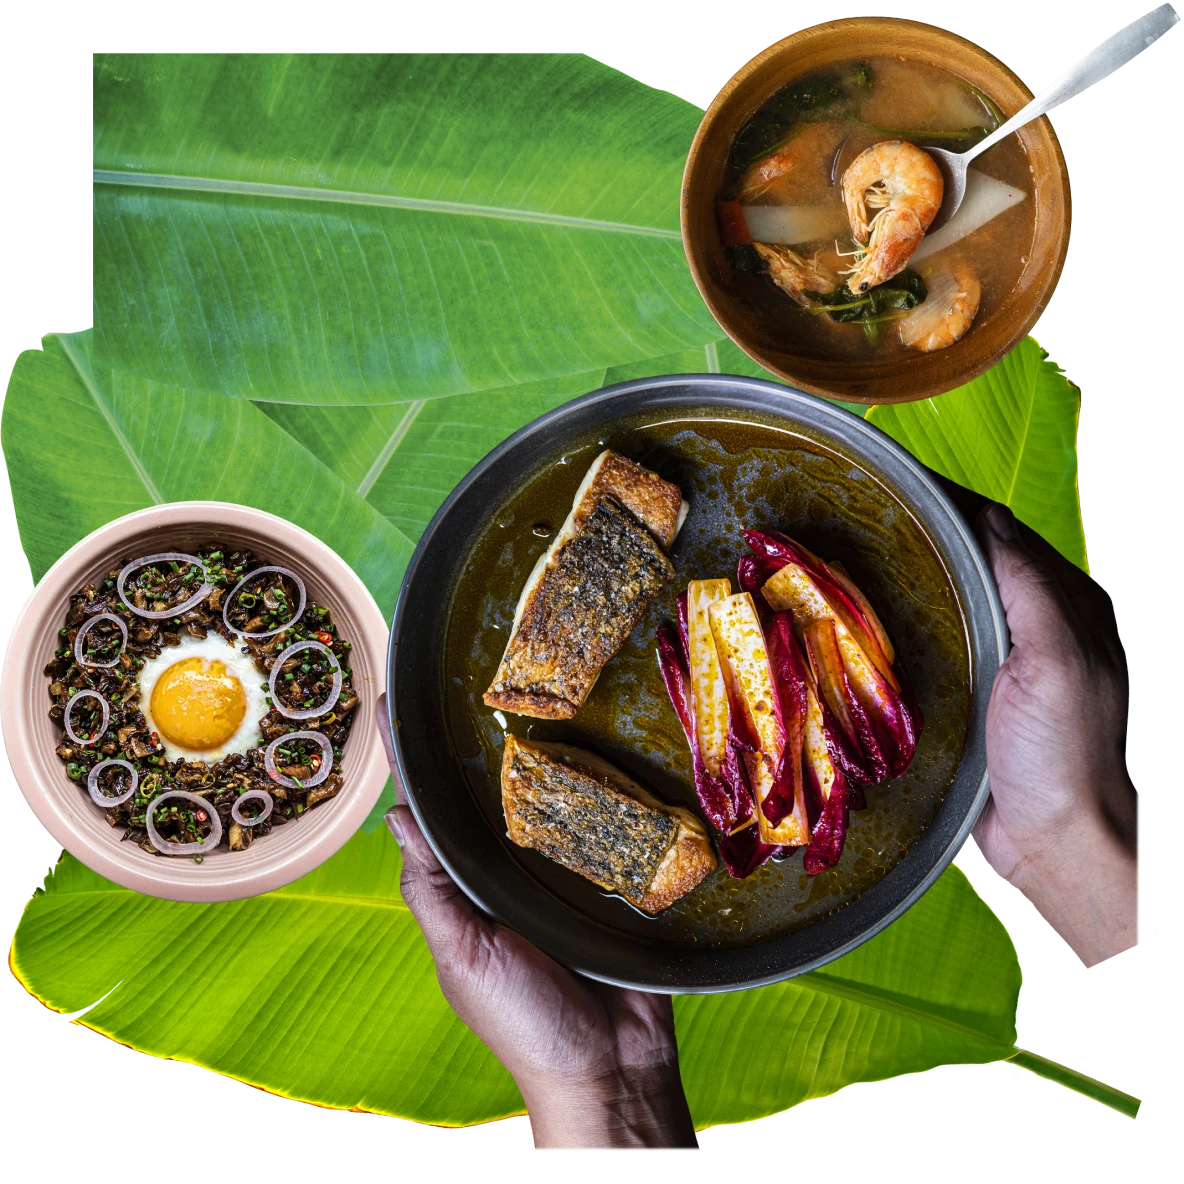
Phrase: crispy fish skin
[655,503]
[522,683]
[577,810]
[593,593]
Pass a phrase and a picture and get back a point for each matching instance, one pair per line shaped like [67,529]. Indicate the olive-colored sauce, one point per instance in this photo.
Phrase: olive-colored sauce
[735,476]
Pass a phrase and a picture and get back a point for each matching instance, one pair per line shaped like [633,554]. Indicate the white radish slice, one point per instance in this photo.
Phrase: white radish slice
[788,226]
[320,708]
[253,795]
[165,557]
[108,800]
[986,198]
[80,654]
[74,736]
[163,845]
[320,775]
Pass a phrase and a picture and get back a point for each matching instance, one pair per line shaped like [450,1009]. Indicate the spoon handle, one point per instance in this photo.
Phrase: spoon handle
[1096,65]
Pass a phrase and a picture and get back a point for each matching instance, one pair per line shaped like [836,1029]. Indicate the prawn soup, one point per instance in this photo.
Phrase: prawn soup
[835,153]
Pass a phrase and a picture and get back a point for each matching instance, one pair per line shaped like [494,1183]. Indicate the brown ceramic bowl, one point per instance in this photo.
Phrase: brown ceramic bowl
[881,380]
[67,812]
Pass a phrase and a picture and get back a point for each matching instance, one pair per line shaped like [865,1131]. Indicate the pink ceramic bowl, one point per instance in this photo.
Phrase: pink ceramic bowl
[67,812]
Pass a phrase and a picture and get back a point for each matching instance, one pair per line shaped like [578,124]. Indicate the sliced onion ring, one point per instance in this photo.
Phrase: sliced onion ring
[320,708]
[268,632]
[253,795]
[80,654]
[319,776]
[98,796]
[74,737]
[166,557]
[207,844]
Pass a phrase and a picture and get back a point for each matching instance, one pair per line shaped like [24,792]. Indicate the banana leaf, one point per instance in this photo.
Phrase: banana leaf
[85,444]
[939,986]
[375,229]
[386,229]
[324,991]
[1010,435]
[304,270]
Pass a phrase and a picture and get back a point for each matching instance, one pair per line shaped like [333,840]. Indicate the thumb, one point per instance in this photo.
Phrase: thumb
[441,908]
[1038,615]
[443,911]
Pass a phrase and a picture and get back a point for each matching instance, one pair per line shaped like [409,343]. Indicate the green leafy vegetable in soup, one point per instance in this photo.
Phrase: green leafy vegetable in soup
[874,308]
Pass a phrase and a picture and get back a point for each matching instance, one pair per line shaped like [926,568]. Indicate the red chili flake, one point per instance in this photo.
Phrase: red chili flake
[155,738]
[202,816]
[325,638]
[315,762]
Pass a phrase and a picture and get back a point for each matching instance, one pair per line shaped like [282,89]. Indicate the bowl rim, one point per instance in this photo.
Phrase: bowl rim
[981,665]
[230,879]
[714,307]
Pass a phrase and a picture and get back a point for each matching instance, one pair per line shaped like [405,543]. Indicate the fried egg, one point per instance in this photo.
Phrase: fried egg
[203,698]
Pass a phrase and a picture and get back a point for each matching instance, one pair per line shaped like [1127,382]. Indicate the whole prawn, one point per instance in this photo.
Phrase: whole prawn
[795,170]
[905,184]
[946,312]
[795,276]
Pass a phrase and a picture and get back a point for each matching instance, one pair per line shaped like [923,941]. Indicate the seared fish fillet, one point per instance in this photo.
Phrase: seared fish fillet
[575,808]
[589,589]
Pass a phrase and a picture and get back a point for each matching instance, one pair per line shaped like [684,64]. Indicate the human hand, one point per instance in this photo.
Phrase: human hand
[597,1065]
[1061,821]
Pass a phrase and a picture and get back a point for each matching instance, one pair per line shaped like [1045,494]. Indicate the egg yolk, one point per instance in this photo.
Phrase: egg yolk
[197,704]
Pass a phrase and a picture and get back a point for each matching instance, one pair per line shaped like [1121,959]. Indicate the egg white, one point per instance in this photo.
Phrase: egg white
[212,646]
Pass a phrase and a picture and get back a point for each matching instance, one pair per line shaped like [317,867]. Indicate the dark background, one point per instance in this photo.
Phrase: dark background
[1121,178]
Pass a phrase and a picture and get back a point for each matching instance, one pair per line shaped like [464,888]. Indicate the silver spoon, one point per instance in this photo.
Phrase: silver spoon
[1117,51]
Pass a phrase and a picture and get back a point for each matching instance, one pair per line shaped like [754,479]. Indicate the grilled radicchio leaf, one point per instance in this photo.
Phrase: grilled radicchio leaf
[861,683]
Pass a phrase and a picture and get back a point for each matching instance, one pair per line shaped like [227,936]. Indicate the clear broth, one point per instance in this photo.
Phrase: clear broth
[734,475]
[906,97]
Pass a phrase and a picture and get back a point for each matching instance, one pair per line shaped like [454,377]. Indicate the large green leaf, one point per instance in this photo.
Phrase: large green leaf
[370,229]
[308,974]
[358,245]
[939,986]
[405,458]
[85,444]
[1010,435]
[345,231]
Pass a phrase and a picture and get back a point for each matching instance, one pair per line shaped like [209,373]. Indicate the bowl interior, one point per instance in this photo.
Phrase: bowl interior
[745,453]
[908,375]
[80,824]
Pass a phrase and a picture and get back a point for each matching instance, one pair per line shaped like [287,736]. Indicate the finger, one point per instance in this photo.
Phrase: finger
[388,746]
[1038,612]
[443,911]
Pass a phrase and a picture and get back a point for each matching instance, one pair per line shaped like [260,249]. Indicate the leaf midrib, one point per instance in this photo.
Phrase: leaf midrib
[388,449]
[88,382]
[360,198]
[1022,450]
[863,995]
[867,996]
